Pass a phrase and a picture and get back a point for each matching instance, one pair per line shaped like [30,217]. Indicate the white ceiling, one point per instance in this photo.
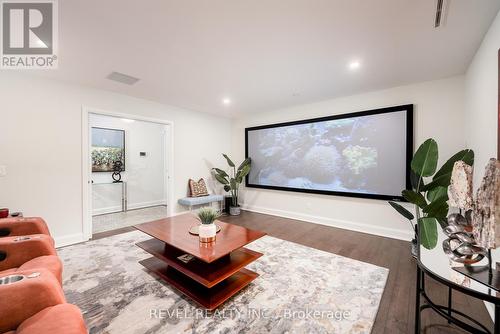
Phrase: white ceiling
[263,54]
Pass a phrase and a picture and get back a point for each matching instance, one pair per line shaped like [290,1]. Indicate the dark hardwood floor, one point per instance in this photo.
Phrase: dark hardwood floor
[110,233]
[397,309]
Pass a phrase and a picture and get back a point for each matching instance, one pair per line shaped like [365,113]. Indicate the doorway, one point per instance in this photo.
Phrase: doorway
[127,170]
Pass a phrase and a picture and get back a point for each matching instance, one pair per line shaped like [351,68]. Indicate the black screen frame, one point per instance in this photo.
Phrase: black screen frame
[408,108]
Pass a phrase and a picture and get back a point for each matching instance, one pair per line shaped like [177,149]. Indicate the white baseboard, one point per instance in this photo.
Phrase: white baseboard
[72,239]
[344,224]
[130,206]
[103,211]
[69,240]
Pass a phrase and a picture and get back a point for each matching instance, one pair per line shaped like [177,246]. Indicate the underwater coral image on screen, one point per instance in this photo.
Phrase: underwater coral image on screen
[361,155]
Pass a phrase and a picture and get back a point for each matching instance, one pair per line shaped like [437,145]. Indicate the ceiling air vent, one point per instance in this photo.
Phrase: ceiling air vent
[122,78]
[441,10]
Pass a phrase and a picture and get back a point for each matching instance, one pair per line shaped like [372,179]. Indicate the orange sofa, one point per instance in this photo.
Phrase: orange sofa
[29,252]
[27,293]
[18,226]
[62,318]
[31,296]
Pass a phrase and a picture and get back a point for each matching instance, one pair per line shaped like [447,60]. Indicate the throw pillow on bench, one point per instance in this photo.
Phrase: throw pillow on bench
[198,189]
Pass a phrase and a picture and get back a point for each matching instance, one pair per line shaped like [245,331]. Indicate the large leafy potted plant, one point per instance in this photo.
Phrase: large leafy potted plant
[232,182]
[429,193]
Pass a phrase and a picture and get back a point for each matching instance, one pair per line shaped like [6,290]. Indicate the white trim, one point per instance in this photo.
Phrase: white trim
[134,206]
[166,164]
[107,210]
[343,224]
[86,172]
[69,240]
[86,164]
[149,204]
[72,239]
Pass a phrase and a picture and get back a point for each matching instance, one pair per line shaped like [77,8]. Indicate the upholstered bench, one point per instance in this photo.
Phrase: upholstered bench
[193,201]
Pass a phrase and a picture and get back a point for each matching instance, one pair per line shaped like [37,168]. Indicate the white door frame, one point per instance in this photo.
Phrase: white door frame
[87,164]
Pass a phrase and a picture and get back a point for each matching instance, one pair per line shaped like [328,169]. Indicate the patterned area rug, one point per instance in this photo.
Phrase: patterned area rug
[299,290]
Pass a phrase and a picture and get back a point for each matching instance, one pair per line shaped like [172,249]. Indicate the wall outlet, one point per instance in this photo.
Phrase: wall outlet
[3,170]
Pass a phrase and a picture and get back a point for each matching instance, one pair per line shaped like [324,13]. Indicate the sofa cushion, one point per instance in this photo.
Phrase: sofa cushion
[51,263]
[37,290]
[59,319]
[20,249]
[17,226]
[7,272]
[190,201]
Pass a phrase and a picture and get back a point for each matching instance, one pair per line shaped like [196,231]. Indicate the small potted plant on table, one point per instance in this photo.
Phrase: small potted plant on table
[207,229]
[232,182]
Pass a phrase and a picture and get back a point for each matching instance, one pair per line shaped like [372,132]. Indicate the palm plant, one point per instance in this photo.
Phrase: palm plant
[232,182]
[430,199]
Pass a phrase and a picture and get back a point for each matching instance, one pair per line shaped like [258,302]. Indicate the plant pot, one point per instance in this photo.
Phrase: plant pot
[227,203]
[234,210]
[207,232]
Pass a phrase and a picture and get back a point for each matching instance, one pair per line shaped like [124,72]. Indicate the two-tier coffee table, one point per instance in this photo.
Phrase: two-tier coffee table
[208,273]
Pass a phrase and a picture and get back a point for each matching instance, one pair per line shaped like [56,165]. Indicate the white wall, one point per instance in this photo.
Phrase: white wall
[144,175]
[481,100]
[481,107]
[438,114]
[41,145]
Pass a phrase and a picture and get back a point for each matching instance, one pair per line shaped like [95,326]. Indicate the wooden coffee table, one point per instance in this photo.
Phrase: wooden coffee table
[216,271]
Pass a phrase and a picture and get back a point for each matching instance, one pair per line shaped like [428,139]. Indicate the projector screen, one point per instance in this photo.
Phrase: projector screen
[364,154]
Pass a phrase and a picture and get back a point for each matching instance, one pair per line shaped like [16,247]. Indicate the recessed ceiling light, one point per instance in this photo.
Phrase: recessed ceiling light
[126,120]
[226,101]
[354,65]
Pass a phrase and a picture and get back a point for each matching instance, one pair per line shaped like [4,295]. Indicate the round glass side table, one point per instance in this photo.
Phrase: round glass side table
[436,265]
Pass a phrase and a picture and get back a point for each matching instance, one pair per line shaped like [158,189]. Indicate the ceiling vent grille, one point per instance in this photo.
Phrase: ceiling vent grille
[122,78]
[441,10]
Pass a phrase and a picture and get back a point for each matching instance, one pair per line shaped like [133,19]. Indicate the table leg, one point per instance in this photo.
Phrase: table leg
[417,303]
[449,304]
[125,197]
[497,319]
